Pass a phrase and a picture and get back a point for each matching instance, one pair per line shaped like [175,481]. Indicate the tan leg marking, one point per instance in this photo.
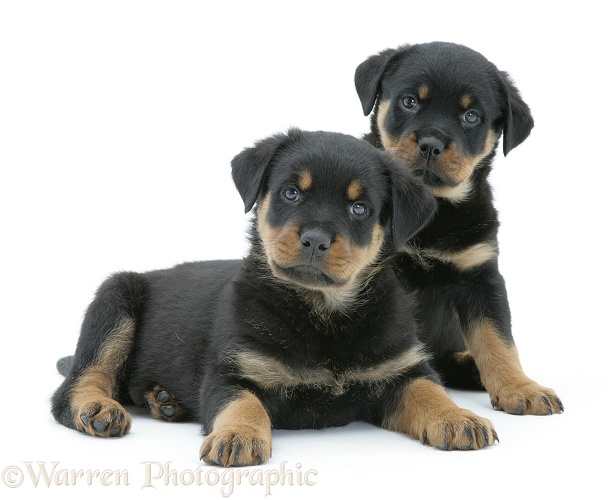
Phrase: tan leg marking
[241,434]
[92,398]
[426,412]
[502,375]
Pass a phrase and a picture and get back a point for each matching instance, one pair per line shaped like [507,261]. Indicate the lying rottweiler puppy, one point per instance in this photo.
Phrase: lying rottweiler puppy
[441,108]
[311,330]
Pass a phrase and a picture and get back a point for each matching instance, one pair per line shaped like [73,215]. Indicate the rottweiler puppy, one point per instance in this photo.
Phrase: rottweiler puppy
[311,329]
[442,108]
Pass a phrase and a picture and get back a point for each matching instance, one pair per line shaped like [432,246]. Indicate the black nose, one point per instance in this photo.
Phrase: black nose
[430,147]
[315,243]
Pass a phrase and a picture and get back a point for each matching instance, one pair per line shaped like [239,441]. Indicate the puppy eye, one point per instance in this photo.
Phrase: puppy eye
[359,210]
[291,194]
[472,117]
[409,102]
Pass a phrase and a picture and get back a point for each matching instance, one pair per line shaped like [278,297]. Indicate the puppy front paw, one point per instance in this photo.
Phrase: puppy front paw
[426,412]
[458,429]
[104,418]
[236,446]
[527,398]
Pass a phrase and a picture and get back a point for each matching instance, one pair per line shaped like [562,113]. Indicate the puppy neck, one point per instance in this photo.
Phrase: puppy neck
[324,303]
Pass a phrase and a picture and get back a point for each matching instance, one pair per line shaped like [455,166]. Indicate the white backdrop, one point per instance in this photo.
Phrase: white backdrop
[118,120]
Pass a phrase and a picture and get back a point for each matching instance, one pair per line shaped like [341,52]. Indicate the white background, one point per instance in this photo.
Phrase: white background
[118,121]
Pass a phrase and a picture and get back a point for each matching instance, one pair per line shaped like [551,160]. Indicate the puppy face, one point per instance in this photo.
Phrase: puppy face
[441,108]
[326,204]
[321,219]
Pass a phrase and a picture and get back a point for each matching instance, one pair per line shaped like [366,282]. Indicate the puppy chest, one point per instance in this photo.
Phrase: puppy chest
[276,376]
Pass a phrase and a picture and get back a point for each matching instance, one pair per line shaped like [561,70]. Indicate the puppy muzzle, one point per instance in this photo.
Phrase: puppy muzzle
[310,268]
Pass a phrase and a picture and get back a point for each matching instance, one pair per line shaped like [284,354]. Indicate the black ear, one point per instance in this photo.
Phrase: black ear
[517,119]
[412,204]
[250,166]
[368,75]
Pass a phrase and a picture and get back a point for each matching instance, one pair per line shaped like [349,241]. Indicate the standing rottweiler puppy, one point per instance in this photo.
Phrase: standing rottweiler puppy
[311,329]
[441,108]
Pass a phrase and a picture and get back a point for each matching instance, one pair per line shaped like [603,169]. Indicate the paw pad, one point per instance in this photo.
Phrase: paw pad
[103,419]
[163,405]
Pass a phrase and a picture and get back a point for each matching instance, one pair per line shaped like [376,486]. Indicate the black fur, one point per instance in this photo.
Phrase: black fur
[452,300]
[191,319]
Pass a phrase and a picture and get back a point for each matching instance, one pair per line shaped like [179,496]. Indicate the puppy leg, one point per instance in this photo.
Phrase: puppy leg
[90,403]
[458,370]
[241,434]
[87,399]
[502,375]
[425,412]
[485,318]
[163,405]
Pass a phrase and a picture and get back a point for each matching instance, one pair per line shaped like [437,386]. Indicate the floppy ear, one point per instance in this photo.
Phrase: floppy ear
[412,204]
[517,119]
[368,75]
[249,167]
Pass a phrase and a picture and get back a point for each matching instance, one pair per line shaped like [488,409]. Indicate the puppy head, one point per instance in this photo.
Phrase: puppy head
[441,107]
[326,205]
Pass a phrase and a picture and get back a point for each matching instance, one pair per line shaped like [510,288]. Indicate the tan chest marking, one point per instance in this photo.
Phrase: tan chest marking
[463,260]
[271,374]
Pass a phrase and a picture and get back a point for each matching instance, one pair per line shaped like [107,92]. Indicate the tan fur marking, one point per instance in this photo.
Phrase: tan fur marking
[96,387]
[389,369]
[347,261]
[354,190]
[344,262]
[305,181]
[462,356]
[474,256]
[451,163]
[466,101]
[271,374]
[405,149]
[459,168]
[454,194]
[502,375]
[423,92]
[387,141]
[241,434]
[463,260]
[281,245]
[426,412]
[470,162]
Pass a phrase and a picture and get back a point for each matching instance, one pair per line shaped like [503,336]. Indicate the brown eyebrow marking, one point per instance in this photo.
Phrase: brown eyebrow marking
[466,101]
[354,190]
[423,91]
[305,181]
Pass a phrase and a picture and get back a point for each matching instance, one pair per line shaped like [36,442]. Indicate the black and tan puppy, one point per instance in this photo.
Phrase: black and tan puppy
[312,329]
[441,108]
